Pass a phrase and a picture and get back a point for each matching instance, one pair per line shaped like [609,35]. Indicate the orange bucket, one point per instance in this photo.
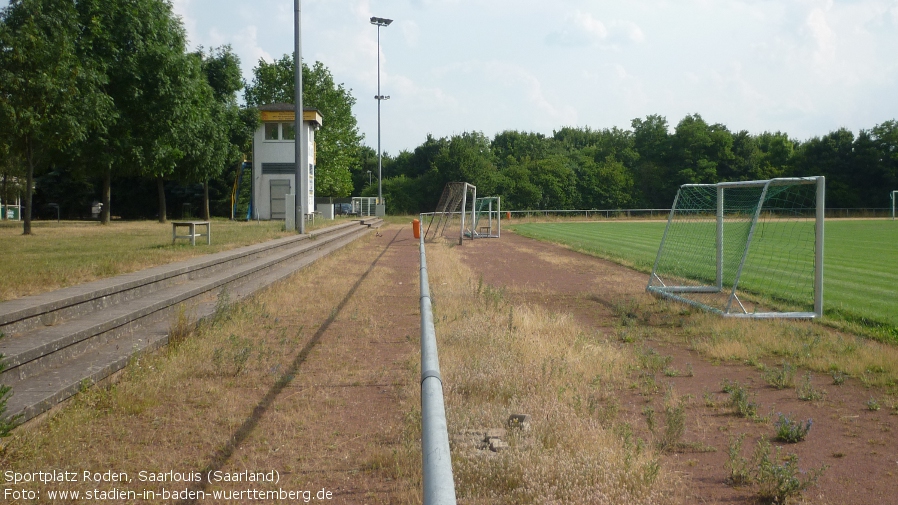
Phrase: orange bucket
[416,228]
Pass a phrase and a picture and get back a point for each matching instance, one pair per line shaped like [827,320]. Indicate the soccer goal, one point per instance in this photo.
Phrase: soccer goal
[739,248]
[487,221]
[455,212]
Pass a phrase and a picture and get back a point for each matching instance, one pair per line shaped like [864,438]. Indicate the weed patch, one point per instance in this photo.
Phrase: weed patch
[807,391]
[782,377]
[774,477]
[741,401]
[499,357]
[791,431]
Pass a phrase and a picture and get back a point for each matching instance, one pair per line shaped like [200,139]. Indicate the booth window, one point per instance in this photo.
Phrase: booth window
[271,131]
[289,130]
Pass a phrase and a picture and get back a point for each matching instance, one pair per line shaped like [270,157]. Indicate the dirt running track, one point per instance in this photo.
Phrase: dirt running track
[859,446]
[352,376]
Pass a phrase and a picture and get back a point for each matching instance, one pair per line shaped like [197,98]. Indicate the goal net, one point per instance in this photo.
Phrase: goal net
[745,249]
[487,221]
[454,213]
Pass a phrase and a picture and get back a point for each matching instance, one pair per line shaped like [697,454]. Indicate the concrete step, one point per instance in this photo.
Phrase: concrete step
[47,309]
[48,364]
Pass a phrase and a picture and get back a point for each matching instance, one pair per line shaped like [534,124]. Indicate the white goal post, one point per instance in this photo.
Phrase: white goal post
[487,222]
[738,248]
[460,209]
[452,210]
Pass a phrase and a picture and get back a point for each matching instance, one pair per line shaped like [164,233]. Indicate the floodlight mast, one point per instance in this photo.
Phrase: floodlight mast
[300,144]
[379,22]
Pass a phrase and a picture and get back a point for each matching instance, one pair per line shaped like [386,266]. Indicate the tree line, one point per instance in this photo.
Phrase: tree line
[103,94]
[582,168]
[100,99]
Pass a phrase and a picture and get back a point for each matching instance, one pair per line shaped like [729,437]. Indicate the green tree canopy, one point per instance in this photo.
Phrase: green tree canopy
[338,141]
[49,97]
[139,45]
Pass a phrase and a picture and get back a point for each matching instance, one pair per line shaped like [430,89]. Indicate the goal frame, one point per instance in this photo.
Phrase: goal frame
[657,286]
[484,206]
[455,196]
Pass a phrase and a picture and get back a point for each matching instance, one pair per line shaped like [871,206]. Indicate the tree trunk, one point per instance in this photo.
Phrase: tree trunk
[206,216]
[160,189]
[106,211]
[4,196]
[29,184]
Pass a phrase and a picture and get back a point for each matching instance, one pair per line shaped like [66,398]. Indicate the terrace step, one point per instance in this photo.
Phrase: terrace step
[17,316]
[48,364]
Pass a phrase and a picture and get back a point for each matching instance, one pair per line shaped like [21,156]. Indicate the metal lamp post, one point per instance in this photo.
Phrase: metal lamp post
[380,210]
[300,143]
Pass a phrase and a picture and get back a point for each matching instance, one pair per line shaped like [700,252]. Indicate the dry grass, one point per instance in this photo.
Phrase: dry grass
[765,343]
[499,358]
[234,378]
[804,344]
[69,253]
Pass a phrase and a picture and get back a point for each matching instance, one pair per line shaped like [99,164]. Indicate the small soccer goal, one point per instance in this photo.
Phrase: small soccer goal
[461,213]
[487,222]
[740,248]
[454,213]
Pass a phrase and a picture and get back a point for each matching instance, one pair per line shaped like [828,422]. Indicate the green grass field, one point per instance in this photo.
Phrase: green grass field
[73,252]
[860,261]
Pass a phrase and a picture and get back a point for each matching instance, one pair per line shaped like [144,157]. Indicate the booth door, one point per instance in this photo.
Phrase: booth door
[279,190]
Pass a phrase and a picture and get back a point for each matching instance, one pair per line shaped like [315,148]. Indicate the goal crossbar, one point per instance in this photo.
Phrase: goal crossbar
[752,223]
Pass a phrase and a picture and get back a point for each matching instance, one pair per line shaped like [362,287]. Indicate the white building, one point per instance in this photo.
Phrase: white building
[274,163]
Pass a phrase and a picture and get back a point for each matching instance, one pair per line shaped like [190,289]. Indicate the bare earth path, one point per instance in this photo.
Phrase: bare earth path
[859,446]
[339,422]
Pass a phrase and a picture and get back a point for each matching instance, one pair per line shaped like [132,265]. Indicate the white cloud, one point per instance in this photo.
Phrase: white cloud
[628,30]
[822,34]
[411,32]
[581,28]
[802,66]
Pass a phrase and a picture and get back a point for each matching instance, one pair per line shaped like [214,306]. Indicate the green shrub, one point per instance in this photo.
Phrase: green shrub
[774,482]
[779,482]
[838,377]
[740,399]
[792,431]
[807,391]
[781,378]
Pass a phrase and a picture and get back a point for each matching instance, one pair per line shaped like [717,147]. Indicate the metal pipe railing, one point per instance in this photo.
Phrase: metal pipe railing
[439,486]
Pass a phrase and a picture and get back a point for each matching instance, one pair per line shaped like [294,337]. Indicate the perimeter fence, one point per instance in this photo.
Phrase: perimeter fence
[438,484]
[850,213]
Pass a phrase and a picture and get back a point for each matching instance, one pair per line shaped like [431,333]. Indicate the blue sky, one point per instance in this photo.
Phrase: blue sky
[805,67]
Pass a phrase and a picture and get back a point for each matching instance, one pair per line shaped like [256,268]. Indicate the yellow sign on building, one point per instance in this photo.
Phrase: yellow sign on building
[285,116]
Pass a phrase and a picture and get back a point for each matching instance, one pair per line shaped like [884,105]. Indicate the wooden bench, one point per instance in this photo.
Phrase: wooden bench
[191,230]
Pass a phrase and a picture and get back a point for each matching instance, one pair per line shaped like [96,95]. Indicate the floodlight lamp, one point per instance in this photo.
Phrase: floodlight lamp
[381,21]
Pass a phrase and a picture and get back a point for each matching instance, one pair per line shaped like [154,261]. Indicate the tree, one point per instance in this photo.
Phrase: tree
[338,141]
[139,45]
[215,132]
[652,141]
[830,156]
[693,151]
[48,97]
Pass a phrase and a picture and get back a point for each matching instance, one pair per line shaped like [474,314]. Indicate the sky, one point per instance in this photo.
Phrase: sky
[805,67]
